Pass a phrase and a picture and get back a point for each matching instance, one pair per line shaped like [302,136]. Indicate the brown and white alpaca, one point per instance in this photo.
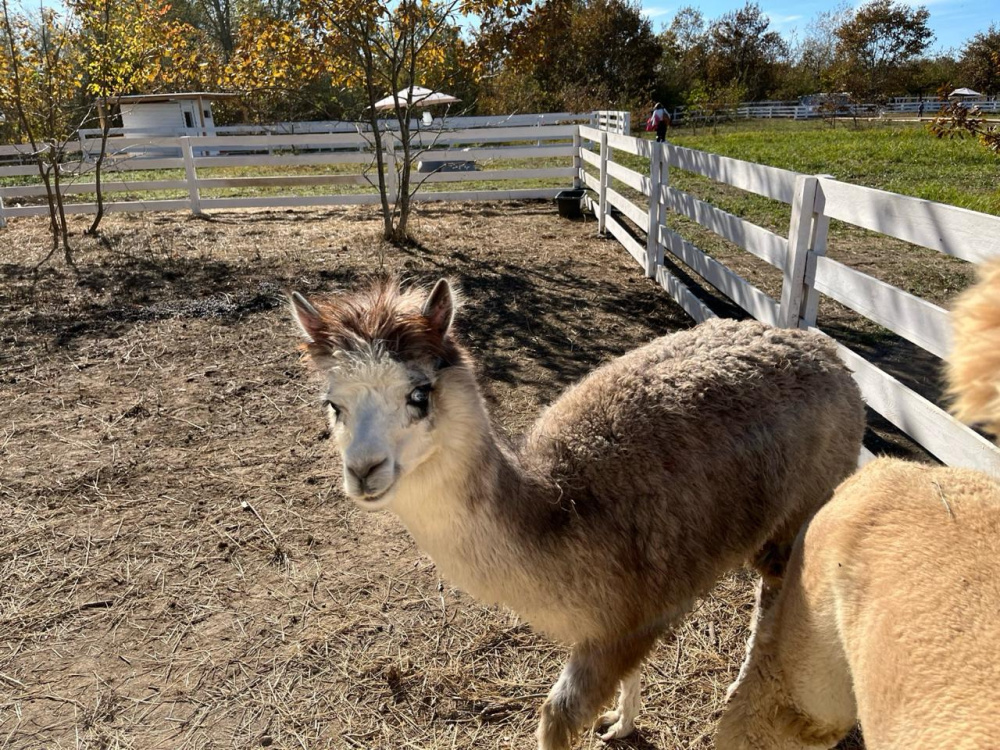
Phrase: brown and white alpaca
[890,609]
[631,495]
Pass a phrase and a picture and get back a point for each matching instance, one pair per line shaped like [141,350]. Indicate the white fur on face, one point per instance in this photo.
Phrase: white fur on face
[381,437]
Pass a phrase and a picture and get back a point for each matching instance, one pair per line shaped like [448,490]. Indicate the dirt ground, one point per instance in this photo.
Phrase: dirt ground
[178,567]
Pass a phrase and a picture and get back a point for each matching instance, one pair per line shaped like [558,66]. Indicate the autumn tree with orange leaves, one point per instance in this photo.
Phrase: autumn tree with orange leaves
[127,46]
[272,64]
[40,73]
[387,46]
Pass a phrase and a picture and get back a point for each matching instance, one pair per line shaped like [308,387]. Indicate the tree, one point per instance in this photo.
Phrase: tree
[874,45]
[816,54]
[744,52]
[957,121]
[521,57]
[275,68]
[221,20]
[683,65]
[714,105]
[388,46]
[39,95]
[980,61]
[928,75]
[571,54]
[614,52]
[123,44]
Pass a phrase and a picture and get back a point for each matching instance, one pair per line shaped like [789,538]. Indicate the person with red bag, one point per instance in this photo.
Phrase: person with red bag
[658,121]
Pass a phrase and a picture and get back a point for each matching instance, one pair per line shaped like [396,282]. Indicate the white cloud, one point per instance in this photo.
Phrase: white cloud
[780,20]
[912,3]
[656,12]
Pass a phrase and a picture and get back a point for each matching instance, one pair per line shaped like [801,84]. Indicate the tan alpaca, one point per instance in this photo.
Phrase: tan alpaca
[890,610]
[630,496]
[974,364]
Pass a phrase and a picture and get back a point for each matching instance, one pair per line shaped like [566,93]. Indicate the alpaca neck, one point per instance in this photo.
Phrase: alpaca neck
[463,506]
[493,527]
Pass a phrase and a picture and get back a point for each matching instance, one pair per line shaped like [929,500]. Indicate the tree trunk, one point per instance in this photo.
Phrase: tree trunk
[57,190]
[387,227]
[98,173]
[403,198]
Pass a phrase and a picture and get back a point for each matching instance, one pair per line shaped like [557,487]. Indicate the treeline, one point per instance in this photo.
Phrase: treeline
[581,54]
[299,59]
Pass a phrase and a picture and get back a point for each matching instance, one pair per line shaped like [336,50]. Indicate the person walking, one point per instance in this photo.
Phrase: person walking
[659,121]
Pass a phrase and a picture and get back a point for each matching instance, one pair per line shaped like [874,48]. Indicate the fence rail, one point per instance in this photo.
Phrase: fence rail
[807,273]
[804,110]
[439,150]
[612,121]
[347,126]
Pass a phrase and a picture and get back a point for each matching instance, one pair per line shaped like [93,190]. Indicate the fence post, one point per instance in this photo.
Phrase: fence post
[800,234]
[3,216]
[577,159]
[817,247]
[654,250]
[191,175]
[602,194]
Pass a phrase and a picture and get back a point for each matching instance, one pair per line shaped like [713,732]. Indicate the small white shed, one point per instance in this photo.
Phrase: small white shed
[170,114]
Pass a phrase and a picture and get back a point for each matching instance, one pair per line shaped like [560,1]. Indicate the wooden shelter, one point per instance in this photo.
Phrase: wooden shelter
[187,113]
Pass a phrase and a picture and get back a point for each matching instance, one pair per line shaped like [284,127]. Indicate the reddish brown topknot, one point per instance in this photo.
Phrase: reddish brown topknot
[381,313]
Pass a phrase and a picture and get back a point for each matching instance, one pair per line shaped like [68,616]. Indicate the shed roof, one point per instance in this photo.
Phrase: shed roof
[203,95]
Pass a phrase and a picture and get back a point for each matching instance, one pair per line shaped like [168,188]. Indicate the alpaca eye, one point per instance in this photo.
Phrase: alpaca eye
[333,407]
[420,398]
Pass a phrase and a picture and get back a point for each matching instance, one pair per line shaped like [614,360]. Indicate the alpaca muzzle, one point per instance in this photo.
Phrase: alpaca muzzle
[368,480]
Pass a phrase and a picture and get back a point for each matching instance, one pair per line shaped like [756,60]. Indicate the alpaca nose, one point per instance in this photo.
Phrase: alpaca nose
[362,471]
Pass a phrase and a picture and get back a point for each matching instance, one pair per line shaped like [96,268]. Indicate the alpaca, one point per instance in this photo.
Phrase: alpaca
[974,363]
[889,610]
[631,495]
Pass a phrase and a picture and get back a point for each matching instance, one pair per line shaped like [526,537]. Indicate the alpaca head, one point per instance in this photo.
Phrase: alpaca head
[382,354]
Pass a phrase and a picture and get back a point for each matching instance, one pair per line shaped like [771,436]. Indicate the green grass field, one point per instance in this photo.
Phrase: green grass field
[899,157]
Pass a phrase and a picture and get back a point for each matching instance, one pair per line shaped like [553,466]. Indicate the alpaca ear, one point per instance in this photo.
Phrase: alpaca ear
[439,308]
[308,317]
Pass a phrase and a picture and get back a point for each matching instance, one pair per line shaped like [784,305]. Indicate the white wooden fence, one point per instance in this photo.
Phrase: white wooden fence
[801,257]
[802,111]
[345,126]
[612,121]
[491,147]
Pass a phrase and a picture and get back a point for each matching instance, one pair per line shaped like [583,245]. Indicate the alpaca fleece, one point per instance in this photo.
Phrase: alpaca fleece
[632,494]
[889,611]
[888,615]
[974,363]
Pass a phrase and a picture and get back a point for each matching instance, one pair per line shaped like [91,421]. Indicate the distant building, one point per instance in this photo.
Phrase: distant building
[168,114]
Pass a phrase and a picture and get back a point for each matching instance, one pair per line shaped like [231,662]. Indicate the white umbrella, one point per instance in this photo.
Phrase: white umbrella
[416,96]
[964,92]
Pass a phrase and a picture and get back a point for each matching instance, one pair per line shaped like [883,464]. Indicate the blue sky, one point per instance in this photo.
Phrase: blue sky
[952,21]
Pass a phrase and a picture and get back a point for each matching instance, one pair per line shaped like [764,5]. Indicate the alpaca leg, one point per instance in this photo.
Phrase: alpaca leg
[794,689]
[771,561]
[764,597]
[621,721]
[586,683]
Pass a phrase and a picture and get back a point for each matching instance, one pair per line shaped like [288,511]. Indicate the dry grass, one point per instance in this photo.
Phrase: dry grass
[179,567]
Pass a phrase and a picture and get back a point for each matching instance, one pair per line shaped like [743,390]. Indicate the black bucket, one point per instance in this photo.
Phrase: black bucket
[570,203]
